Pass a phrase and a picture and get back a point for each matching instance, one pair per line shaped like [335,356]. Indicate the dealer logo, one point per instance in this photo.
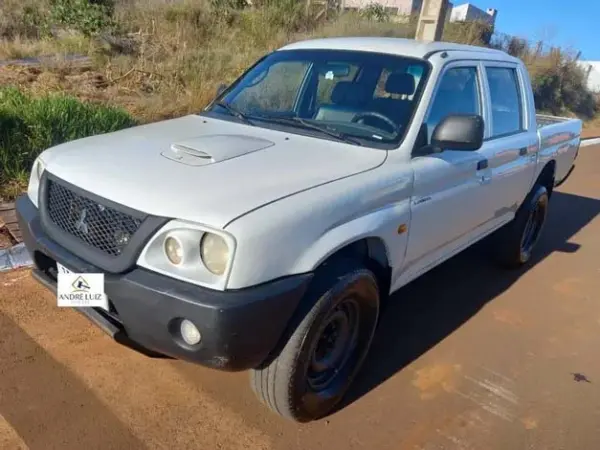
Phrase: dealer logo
[80,285]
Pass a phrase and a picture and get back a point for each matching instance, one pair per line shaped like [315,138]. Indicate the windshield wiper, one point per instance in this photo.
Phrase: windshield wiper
[300,121]
[234,112]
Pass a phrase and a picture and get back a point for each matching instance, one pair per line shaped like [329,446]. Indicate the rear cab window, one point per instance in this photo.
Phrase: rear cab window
[506,101]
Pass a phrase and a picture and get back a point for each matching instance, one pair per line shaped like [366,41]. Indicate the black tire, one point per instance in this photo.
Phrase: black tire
[297,384]
[514,243]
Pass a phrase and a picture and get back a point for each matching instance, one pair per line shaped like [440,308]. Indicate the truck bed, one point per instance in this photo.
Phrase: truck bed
[544,120]
[559,140]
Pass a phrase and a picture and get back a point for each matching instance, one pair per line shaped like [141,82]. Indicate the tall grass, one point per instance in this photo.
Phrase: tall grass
[29,125]
[172,54]
[186,48]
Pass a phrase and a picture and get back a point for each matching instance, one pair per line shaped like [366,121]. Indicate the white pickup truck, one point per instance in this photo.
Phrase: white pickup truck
[265,232]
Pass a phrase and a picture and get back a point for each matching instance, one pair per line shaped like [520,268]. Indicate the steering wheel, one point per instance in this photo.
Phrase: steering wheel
[376,115]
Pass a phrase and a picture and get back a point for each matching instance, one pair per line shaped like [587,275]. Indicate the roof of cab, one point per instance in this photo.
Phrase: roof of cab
[394,46]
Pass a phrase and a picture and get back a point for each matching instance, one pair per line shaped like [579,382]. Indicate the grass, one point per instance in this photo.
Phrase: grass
[165,58]
[158,59]
[29,125]
[22,48]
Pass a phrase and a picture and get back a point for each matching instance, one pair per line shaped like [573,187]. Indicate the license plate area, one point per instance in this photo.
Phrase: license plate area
[112,313]
[77,290]
[62,269]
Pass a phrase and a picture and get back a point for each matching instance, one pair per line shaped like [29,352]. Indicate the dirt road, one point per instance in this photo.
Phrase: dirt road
[467,357]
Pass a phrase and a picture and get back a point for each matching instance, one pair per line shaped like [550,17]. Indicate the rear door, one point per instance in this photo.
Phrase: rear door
[512,144]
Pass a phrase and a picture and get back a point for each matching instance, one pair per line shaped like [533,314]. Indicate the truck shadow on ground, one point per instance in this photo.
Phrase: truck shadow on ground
[430,308]
[47,405]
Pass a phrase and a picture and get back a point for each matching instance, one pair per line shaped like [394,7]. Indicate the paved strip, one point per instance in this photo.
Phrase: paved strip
[590,142]
[15,258]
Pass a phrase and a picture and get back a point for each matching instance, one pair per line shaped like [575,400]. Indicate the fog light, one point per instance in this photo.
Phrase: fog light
[189,332]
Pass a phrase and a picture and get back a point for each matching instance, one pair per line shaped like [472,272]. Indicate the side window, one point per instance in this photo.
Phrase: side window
[507,107]
[458,93]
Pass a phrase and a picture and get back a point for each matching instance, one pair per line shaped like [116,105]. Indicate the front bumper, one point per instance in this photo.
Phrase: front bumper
[239,328]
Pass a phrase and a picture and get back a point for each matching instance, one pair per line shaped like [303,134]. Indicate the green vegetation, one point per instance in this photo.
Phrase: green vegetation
[29,125]
[86,16]
[159,59]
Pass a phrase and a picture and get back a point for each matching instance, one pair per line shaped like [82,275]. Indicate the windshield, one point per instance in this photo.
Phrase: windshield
[362,98]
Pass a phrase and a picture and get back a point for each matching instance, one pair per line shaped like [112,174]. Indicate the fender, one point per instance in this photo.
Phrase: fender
[389,225]
[297,234]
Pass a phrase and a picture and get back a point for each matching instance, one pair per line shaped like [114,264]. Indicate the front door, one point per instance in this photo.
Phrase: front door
[450,188]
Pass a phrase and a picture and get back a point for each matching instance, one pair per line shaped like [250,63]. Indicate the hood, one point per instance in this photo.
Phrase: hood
[202,169]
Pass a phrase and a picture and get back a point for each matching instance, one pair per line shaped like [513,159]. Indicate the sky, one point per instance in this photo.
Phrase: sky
[566,23]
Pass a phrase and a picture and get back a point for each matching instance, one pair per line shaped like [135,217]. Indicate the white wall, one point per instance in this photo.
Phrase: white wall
[594,77]
[459,13]
[470,12]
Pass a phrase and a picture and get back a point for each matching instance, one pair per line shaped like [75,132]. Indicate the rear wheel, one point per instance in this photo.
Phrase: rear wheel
[321,358]
[515,242]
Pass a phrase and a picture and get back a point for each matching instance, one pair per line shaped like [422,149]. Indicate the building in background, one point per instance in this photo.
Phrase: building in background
[469,13]
[461,13]
[593,71]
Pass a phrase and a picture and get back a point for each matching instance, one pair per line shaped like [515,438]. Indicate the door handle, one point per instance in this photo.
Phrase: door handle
[483,164]
[523,151]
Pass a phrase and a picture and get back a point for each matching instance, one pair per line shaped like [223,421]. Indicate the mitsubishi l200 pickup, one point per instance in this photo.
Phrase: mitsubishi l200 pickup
[265,232]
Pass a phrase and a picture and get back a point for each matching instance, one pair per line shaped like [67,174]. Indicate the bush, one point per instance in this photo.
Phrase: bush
[29,125]
[20,19]
[563,89]
[559,83]
[471,33]
[228,4]
[86,16]
[376,12]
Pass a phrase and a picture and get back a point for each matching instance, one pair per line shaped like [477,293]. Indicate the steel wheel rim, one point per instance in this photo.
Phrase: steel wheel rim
[334,345]
[533,228]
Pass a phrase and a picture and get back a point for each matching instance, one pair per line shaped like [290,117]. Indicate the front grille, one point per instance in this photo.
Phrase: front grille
[99,226]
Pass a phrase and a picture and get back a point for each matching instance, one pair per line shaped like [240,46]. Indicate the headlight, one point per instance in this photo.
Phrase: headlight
[34,180]
[190,252]
[174,250]
[214,253]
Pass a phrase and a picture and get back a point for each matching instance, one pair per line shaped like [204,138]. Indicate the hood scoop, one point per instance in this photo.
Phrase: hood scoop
[214,148]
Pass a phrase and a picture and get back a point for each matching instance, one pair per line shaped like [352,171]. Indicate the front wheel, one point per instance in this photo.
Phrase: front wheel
[319,361]
[515,242]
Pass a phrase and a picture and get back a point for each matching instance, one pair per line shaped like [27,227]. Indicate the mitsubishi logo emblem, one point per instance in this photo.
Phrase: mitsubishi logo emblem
[81,225]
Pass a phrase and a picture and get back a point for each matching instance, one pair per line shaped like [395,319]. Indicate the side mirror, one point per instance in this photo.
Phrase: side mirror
[459,132]
[221,88]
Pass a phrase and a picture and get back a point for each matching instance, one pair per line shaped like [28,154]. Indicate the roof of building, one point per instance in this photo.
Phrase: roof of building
[394,46]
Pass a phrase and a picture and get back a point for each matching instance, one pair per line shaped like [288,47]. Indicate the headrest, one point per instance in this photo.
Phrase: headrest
[347,93]
[340,91]
[400,83]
